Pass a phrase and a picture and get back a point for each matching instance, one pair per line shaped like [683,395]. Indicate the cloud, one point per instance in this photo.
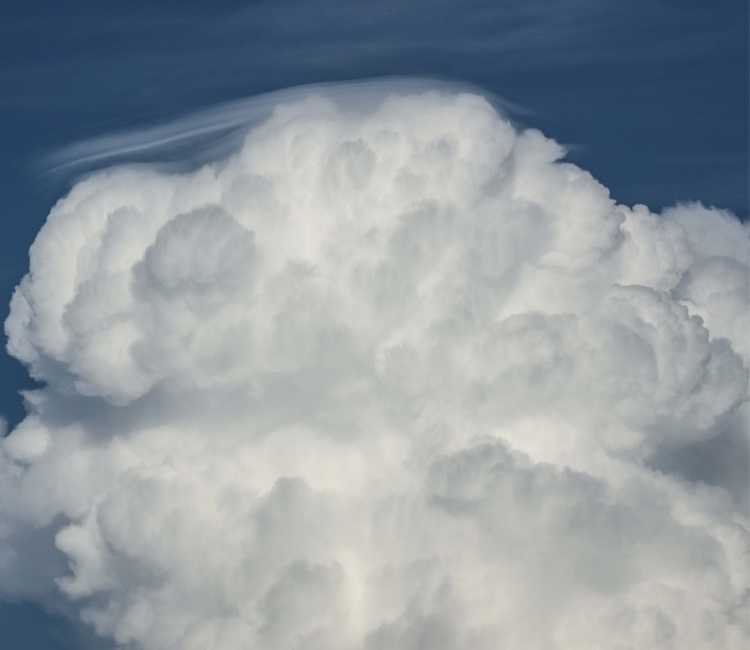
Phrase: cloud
[211,134]
[391,374]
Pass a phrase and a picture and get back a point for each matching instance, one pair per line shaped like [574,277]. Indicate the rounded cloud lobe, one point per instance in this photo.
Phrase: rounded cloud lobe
[393,375]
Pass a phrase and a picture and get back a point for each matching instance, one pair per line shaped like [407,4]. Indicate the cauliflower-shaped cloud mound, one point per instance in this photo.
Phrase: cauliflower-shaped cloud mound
[392,376]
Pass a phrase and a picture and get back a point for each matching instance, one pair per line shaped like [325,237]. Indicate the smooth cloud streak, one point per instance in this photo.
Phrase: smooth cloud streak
[213,133]
[391,375]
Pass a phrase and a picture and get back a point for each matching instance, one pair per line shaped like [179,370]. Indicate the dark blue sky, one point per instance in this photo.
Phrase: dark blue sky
[652,93]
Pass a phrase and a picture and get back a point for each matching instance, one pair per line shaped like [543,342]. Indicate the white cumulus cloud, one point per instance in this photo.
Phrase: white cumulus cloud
[393,375]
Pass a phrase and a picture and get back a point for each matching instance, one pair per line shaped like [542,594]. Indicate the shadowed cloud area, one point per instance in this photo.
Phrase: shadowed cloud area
[374,364]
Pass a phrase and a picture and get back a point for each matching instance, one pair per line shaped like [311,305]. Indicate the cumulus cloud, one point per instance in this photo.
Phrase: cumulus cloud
[392,375]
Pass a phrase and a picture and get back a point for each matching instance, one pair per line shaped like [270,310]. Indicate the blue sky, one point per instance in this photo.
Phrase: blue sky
[650,95]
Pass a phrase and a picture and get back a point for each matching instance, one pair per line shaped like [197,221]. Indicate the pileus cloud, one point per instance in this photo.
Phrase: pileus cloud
[392,375]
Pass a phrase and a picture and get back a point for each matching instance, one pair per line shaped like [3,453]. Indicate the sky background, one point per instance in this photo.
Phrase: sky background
[651,96]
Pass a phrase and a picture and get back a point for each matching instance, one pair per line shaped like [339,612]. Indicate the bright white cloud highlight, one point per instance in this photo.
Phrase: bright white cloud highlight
[392,376]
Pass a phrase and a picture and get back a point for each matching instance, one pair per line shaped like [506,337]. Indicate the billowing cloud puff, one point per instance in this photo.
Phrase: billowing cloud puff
[390,376]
